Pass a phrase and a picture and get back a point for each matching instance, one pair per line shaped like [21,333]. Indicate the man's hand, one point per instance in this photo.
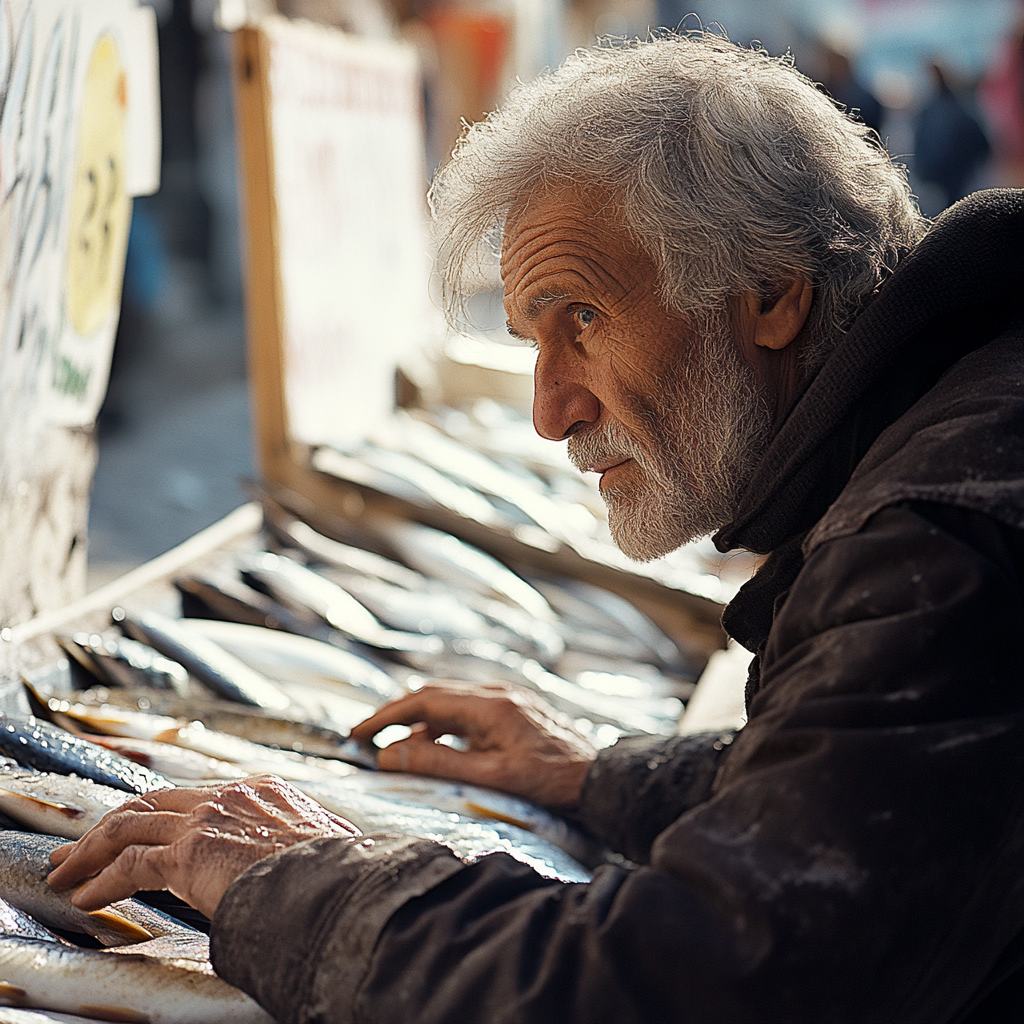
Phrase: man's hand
[194,842]
[517,742]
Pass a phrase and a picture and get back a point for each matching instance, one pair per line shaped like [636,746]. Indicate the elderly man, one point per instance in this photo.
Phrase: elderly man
[744,325]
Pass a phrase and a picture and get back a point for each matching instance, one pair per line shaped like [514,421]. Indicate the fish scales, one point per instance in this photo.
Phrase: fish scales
[481,804]
[40,745]
[177,763]
[192,753]
[254,724]
[24,867]
[466,837]
[16,922]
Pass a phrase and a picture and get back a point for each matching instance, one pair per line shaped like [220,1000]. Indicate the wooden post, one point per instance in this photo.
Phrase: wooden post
[263,288]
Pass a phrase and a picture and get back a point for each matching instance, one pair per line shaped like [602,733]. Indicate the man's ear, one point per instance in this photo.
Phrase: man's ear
[774,323]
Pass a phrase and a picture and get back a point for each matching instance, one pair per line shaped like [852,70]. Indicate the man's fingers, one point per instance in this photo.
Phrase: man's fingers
[135,868]
[422,756]
[61,854]
[114,834]
[460,713]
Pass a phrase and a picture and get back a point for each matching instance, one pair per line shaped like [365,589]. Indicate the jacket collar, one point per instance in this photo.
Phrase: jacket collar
[950,295]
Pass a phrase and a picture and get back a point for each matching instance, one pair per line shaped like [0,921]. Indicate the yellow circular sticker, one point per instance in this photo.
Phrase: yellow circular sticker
[100,209]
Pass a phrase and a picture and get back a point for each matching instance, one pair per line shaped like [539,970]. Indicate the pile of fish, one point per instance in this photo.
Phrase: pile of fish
[487,463]
[278,654]
[55,957]
[60,784]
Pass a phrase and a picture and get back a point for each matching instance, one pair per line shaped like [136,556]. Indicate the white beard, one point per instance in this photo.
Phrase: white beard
[700,442]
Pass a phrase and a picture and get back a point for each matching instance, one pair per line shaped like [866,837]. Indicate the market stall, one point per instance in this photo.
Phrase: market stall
[397,533]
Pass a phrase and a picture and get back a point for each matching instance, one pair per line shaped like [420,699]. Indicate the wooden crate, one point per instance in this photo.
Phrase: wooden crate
[284,457]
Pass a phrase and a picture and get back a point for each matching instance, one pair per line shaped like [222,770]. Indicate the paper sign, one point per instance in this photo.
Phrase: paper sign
[347,135]
[79,135]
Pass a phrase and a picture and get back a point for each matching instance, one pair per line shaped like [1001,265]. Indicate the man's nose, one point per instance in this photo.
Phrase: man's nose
[561,402]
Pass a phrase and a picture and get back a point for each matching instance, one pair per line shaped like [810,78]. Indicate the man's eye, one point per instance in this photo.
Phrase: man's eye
[585,317]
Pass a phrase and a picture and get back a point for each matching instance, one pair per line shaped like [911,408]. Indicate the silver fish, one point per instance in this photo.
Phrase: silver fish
[123,988]
[435,553]
[453,614]
[621,677]
[216,595]
[296,585]
[658,716]
[121,661]
[468,838]
[24,866]
[409,478]
[40,745]
[58,805]
[180,764]
[480,804]
[414,611]
[254,724]
[201,753]
[545,637]
[592,609]
[16,922]
[484,661]
[476,470]
[212,665]
[286,657]
[294,533]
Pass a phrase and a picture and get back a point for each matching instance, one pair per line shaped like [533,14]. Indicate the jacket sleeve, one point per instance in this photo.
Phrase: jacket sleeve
[858,859]
[638,787]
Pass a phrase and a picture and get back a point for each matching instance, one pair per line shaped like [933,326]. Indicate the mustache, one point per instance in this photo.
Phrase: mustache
[589,448]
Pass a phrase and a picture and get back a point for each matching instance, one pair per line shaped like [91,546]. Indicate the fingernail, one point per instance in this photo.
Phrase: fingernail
[79,892]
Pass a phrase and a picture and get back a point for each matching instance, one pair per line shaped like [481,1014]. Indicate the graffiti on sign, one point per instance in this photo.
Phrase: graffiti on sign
[79,136]
[66,85]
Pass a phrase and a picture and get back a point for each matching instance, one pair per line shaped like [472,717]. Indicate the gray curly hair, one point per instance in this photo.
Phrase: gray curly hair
[727,166]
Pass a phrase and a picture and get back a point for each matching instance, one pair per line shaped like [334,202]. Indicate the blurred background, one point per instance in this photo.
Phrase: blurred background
[942,81]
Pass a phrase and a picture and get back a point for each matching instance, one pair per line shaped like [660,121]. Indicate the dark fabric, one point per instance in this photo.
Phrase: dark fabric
[276,932]
[637,788]
[748,618]
[979,406]
[955,292]
[855,854]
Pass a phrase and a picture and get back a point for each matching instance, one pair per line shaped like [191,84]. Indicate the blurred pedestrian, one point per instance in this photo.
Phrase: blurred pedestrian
[949,143]
[841,82]
[1002,97]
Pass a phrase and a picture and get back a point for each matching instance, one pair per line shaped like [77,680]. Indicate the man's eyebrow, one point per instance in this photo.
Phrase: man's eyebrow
[534,308]
[538,303]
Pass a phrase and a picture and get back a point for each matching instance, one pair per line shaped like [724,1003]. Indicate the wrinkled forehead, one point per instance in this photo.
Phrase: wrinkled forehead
[546,207]
[568,232]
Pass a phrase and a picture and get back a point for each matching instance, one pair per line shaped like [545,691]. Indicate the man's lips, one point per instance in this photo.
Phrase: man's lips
[604,466]
[609,468]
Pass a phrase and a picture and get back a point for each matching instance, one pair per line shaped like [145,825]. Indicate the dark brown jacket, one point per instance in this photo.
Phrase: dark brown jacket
[856,852]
